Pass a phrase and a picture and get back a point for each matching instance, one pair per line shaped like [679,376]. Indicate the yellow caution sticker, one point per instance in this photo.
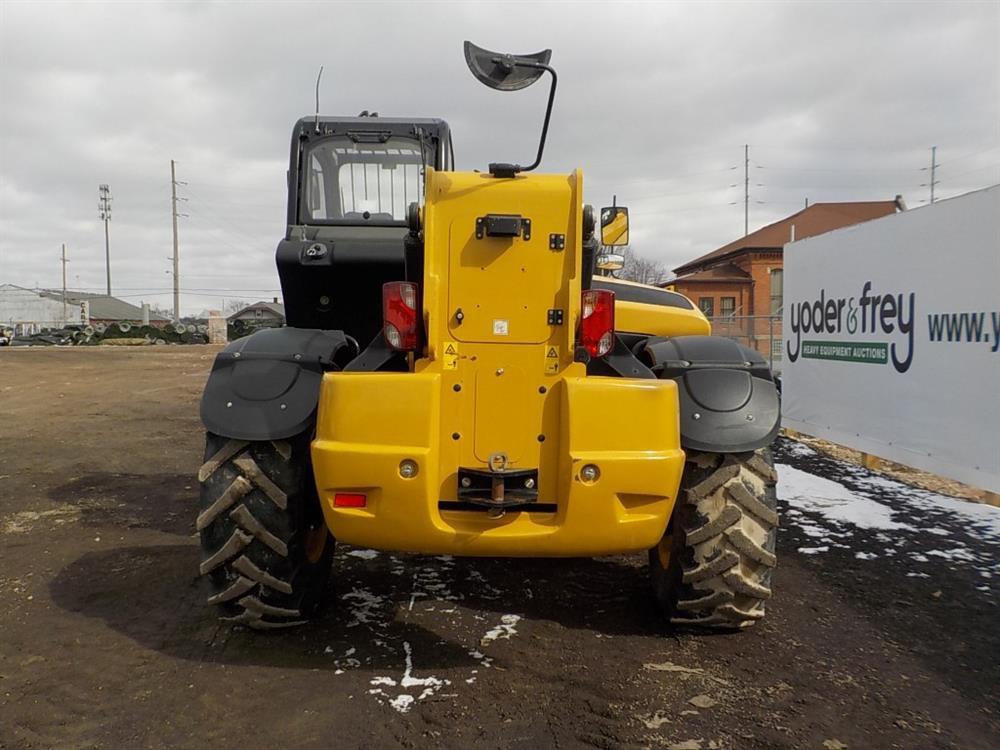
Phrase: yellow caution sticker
[551,359]
[450,358]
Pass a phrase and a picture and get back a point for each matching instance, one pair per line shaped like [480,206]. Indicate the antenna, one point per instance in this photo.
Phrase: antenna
[318,77]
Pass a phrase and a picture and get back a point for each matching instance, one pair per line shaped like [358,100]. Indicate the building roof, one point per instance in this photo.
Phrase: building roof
[276,308]
[102,307]
[815,219]
[726,272]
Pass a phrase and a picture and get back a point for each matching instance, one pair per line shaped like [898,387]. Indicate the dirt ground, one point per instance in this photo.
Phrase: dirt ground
[105,640]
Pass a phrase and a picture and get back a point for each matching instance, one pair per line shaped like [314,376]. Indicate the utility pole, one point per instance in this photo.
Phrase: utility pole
[64,281]
[104,208]
[746,190]
[173,212]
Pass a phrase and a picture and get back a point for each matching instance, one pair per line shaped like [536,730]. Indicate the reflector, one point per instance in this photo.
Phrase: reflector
[350,500]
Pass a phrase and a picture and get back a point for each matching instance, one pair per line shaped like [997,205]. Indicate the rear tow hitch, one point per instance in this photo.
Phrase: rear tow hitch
[498,488]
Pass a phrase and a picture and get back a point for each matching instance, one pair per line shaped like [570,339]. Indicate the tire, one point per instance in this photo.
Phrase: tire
[266,550]
[713,566]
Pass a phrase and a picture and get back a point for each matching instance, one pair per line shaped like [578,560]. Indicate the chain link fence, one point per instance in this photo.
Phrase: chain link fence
[760,332]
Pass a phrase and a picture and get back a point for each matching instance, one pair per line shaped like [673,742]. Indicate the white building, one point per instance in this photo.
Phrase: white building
[28,311]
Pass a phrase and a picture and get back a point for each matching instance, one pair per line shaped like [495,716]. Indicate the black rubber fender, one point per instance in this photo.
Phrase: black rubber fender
[728,399]
[265,386]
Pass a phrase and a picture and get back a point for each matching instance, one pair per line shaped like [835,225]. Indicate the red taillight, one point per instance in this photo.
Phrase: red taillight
[349,500]
[400,315]
[597,321]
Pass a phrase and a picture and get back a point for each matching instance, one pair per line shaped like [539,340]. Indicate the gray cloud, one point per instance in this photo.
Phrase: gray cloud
[838,101]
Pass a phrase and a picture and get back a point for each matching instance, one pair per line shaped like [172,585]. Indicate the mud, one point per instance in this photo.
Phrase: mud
[105,641]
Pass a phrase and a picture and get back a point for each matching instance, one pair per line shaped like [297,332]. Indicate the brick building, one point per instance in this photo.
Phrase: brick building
[739,285]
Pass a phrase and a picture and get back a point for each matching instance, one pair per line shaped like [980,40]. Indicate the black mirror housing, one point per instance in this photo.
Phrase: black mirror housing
[505,72]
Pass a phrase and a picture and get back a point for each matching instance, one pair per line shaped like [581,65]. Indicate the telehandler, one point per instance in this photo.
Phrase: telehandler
[454,379]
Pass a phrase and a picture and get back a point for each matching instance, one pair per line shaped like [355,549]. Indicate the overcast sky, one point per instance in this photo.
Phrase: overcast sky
[838,101]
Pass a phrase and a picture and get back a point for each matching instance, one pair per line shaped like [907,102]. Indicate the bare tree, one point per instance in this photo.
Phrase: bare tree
[159,311]
[642,270]
[233,306]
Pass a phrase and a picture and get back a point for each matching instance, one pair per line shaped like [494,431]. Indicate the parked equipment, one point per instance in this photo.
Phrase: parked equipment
[454,380]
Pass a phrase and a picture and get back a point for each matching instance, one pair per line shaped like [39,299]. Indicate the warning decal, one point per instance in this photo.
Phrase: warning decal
[552,359]
[450,358]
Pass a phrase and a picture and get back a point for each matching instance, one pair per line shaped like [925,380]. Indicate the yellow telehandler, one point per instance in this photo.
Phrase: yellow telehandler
[454,379]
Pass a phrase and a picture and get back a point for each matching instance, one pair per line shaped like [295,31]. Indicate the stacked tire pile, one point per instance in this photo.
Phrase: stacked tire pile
[116,334]
[237,329]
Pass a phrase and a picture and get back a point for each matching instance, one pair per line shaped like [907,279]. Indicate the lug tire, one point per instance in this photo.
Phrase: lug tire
[713,567]
[265,548]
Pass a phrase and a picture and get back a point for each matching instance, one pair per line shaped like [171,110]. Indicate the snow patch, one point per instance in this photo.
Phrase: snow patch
[958,553]
[364,554]
[813,550]
[504,630]
[365,607]
[975,518]
[404,701]
[793,448]
[833,501]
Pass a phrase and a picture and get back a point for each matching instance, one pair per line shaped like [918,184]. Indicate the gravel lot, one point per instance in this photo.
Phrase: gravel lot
[882,634]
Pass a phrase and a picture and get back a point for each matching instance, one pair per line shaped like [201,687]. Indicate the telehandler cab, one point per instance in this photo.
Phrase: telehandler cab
[454,379]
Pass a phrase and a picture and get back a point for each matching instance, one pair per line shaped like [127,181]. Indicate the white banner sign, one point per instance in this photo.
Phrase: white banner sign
[892,337]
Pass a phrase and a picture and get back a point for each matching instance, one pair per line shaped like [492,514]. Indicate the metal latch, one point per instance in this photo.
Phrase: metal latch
[503,225]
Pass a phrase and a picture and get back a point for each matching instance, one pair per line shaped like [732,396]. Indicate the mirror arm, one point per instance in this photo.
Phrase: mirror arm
[548,110]
[509,170]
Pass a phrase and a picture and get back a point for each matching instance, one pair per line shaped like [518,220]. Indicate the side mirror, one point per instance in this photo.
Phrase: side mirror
[511,73]
[614,226]
[611,262]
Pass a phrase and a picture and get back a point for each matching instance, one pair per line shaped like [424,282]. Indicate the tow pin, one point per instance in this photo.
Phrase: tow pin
[459,316]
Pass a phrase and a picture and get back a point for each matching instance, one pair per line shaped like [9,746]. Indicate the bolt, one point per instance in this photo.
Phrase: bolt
[529,483]
[408,468]
[456,387]
[236,355]
[696,415]
[749,417]
[466,482]
[499,371]
[283,407]
[298,356]
[542,389]
[229,404]
[590,473]
[541,438]
[455,436]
